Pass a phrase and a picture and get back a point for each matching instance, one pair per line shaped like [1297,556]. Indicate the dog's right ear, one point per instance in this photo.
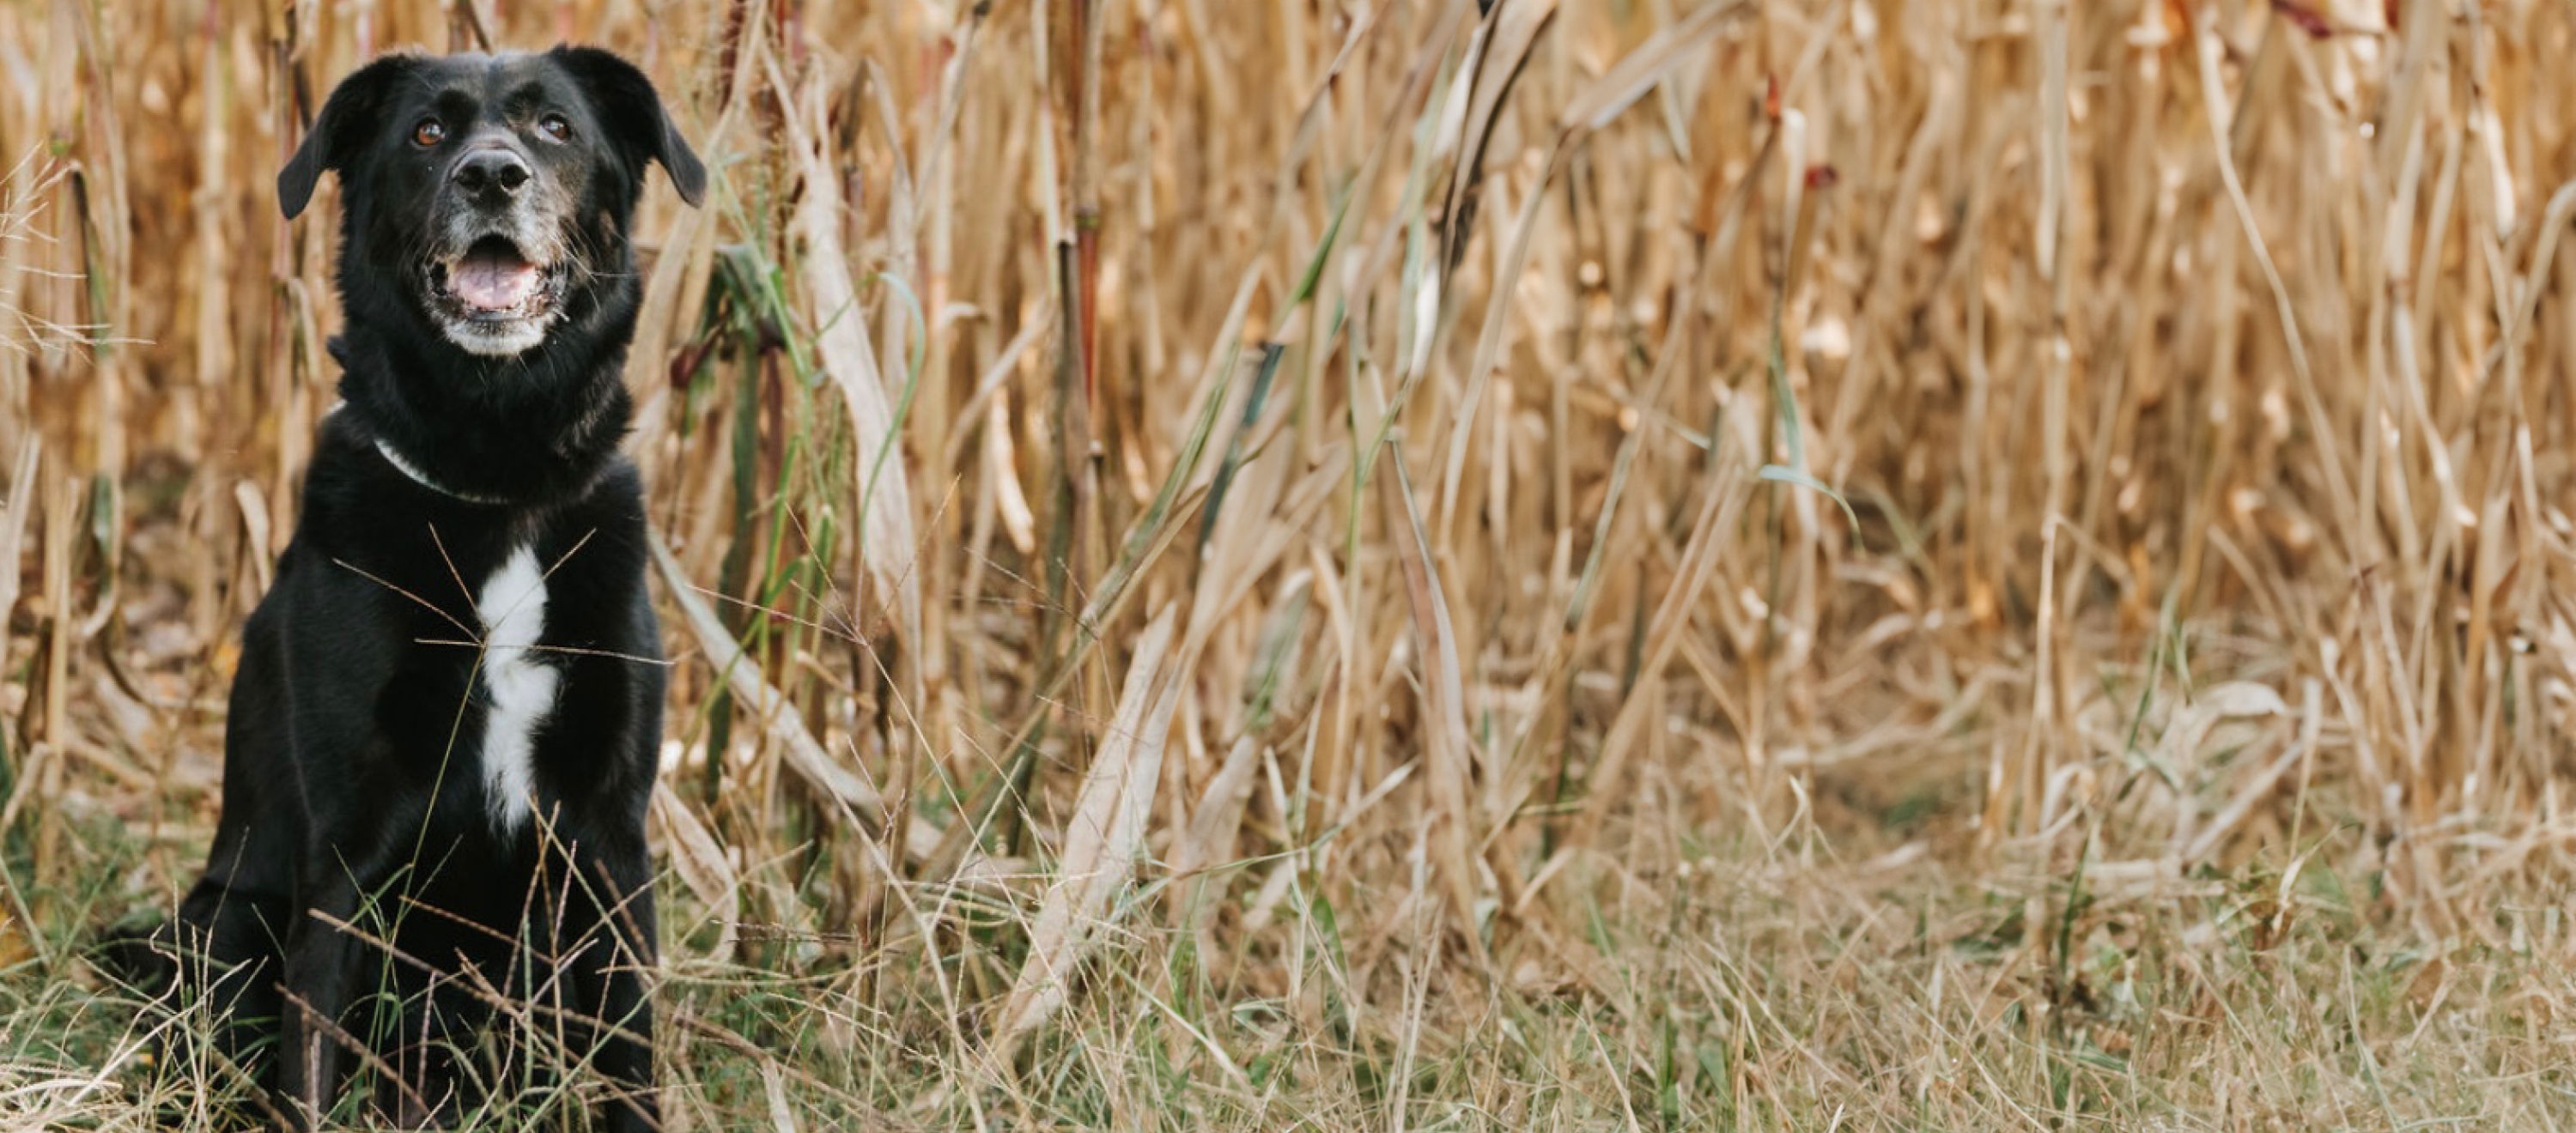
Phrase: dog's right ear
[637,122]
[353,110]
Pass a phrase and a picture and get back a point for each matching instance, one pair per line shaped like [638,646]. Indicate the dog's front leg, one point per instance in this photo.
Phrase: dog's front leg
[610,918]
[321,963]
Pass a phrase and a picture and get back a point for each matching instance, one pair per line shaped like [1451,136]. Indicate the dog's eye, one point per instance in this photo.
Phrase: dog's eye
[430,132]
[555,127]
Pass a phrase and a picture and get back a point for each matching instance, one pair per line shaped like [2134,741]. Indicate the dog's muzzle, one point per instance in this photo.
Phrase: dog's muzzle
[497,281]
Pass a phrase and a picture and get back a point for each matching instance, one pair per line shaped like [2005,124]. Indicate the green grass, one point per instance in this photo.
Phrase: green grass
[1734,991]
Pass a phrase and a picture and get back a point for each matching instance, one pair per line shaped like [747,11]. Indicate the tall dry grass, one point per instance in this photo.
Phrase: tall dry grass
[1331,502]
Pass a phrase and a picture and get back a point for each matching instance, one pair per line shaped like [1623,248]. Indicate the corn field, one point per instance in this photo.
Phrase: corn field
[1392,565]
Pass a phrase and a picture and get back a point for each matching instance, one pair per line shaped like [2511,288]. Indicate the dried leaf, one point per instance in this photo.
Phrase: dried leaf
[773,1087]
[1494,58]
[1214,820]
[1443,707]
[699,861]
[753,693]
[1721,499]
[14,510]
[1102,838]
[849,359]
[1594,106]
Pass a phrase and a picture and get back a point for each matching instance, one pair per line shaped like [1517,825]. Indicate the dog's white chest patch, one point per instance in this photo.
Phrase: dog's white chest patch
[512,607]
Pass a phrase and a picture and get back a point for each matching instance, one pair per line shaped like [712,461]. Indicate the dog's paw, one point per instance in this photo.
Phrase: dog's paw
[139,952]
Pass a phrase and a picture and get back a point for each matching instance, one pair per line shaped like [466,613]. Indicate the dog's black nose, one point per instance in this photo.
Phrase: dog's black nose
[491,174]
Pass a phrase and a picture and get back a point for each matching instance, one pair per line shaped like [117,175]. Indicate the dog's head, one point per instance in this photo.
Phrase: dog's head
[489,195]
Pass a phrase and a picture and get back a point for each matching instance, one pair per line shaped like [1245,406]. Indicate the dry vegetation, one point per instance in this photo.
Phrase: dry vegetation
[1261,565]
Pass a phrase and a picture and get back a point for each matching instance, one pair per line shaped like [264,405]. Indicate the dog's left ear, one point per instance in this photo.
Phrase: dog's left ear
[355,107]
[632,112]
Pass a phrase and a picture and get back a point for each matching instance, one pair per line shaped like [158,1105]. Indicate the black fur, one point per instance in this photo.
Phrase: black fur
[356,815]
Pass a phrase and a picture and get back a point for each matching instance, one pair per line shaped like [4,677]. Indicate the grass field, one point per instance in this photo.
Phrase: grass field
[1612,564]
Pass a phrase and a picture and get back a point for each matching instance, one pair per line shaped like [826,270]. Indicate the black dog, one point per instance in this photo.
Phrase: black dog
[444,731]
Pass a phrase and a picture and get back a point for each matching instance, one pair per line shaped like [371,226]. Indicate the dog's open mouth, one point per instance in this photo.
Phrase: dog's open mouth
[491,281]
[491,298]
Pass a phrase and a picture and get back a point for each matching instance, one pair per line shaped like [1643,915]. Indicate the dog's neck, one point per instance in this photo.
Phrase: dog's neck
[528,430]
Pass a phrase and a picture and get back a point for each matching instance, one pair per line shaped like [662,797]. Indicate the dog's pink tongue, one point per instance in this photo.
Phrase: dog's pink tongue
[494,280]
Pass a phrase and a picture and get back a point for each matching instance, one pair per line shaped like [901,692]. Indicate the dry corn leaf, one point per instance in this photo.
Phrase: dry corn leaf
[14,510]
[1636,73]
[840,339]
[1495,56]
[1722,498]
[773,1087]
[1449,751]
[1589,110]
[1101,839]
[699,861]
[754,695]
